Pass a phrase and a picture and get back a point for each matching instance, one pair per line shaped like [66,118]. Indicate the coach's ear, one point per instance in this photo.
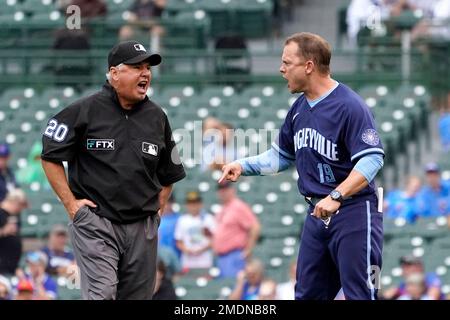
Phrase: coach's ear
[309,67]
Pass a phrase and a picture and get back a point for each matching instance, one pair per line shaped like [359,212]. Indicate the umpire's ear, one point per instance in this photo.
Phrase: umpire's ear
[114,73]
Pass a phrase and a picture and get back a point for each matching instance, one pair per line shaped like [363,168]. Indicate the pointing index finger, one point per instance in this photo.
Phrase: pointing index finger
[224,175]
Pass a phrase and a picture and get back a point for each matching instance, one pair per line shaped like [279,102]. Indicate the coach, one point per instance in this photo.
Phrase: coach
[122,163]
[330,136]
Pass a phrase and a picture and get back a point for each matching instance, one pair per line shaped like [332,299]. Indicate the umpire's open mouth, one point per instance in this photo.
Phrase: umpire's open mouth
[143,86]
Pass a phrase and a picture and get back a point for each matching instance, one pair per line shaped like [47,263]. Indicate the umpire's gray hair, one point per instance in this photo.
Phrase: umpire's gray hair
[108,75]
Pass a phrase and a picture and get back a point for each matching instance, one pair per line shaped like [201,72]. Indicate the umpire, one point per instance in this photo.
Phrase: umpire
[122,163]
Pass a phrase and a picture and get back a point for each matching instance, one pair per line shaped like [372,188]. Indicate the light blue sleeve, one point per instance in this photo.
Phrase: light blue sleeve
[266,163]
[369,165]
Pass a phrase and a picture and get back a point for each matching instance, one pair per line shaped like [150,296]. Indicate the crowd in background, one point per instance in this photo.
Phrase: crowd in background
[433,16]
[198,239]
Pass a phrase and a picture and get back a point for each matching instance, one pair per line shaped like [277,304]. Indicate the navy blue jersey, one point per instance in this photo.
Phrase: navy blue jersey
[327,140]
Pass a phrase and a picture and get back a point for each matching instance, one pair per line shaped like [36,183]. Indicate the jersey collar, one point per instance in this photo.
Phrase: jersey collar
[113,95]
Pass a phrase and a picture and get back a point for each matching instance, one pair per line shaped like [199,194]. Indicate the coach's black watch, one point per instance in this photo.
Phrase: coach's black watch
[336,195]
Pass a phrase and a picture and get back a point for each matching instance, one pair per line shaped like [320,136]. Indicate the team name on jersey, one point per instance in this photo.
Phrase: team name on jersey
[311,138]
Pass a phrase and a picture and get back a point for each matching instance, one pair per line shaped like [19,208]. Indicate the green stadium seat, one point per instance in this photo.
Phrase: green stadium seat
[67,293]
[17,98]
[442,242]
[9,6]
[254,18]
[38,6]
[222,92]
[47,19]
[118,5]
[64,95]
[175,6]
[220,289]
[222,16]
[430,228]
[186,30]
[342,21]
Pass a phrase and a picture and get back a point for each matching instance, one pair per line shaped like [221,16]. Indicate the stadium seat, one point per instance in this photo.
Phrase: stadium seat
[32,7]
[186,30]
[254,18]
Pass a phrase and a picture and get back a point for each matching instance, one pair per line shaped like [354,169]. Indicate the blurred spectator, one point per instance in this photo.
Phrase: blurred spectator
[193,233]
[10,240]
[415,288]
[166,230]
[268,290]
[33,171]
[283,11]
[60,258]
[248,281]
[286,290]
[435,23]
[74,43]
[444,130]
[144,15]
[171,261]
[5,288]
[164,289]
[211,134]
[413,265]
[434,197]
[25,290]
[403,204]
[147,9]
[68,39]
[400,6]
[218,146]
[91,8]
[7,178]
[360,12]
[62,4]
[237,231]
[45,287]
[232,56]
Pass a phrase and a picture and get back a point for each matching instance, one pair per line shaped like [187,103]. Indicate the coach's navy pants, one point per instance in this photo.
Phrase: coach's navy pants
[346,253]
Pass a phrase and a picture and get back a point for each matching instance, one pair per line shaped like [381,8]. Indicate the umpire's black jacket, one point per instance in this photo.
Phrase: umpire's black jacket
[117,158]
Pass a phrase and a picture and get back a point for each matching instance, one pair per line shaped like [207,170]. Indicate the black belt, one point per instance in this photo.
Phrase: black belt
[312,201]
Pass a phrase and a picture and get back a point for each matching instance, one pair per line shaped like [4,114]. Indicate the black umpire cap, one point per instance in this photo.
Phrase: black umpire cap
[131,52]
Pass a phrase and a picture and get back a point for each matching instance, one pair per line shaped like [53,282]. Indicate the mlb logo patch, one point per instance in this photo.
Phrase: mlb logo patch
[139,47]
[150,148]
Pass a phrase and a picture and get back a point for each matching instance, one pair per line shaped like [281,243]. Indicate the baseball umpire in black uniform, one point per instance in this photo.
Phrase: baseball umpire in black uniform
[122,163]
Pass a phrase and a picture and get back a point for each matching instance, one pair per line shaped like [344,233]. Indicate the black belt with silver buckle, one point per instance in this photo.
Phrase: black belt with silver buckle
[312,201]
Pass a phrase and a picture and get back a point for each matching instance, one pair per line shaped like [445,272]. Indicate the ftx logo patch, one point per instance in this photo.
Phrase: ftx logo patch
[150,148]
[100,144]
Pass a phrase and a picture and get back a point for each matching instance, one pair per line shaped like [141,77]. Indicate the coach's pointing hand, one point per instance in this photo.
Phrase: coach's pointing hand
[231,171]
